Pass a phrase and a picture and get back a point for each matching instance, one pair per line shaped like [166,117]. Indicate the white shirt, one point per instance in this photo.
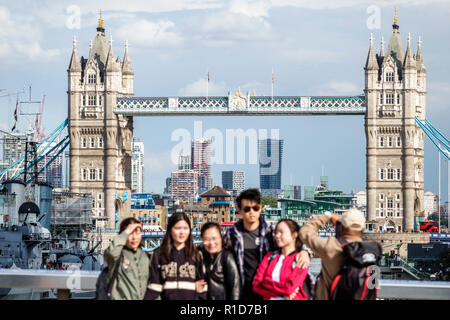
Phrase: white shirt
[276,274]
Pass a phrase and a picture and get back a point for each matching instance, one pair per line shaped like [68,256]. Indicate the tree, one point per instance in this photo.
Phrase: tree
[270,201]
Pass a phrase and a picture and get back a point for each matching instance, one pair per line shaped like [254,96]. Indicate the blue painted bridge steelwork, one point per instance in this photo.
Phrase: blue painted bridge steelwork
[240,104]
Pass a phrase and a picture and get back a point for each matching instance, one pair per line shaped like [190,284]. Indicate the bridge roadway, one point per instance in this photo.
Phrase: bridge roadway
[242,105]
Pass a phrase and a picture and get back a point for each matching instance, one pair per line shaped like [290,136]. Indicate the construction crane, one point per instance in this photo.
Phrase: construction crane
[42,153]
[40,134]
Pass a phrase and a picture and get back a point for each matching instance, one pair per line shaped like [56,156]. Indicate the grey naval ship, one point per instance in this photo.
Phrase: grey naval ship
[30,240]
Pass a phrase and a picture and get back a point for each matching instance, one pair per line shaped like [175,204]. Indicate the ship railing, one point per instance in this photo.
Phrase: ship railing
[401,264]
[73,279]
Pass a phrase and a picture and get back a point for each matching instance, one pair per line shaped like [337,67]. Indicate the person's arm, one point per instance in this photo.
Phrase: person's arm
[309,234]
[200,275]
[286,288]
[258,279]
[112,253]
[232,278]
[155,283]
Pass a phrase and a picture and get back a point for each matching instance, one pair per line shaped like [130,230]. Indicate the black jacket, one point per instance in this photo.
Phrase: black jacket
[175,279]
[222,275]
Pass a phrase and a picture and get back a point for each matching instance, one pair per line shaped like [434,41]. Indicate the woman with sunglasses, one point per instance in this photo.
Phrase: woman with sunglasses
[176,268]
[278,276]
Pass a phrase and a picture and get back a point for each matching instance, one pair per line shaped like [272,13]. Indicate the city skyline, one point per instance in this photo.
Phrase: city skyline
[341,151]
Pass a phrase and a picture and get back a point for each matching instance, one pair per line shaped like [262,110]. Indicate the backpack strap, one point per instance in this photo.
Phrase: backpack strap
[114,275]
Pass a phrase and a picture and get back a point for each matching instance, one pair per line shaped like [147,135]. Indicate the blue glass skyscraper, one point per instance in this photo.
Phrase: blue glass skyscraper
[270,153]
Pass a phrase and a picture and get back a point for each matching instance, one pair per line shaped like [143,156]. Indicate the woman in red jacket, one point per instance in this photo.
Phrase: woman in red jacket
[278,277]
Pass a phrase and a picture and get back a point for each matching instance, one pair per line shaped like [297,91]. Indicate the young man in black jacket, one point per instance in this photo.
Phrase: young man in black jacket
[251,238]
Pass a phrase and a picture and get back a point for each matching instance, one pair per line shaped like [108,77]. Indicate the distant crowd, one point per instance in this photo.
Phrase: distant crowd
[252,261]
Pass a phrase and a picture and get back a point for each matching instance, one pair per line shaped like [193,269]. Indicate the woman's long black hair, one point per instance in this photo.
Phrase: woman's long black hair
[167,243]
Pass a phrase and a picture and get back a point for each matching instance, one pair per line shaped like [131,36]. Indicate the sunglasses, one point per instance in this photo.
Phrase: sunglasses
[255,208]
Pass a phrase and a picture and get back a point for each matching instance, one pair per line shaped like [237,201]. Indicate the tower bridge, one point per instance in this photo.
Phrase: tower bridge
[240,104]
[101,107]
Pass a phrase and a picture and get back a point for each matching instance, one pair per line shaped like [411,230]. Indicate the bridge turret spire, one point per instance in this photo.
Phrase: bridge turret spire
[395,25]
[371,62]
[126,66]
[395,46]
[382,47]
[419,59]
[111,64]
[74,64]
[100,27]
[409,62]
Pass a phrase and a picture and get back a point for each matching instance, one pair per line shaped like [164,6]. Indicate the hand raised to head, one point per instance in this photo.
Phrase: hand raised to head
[131,227]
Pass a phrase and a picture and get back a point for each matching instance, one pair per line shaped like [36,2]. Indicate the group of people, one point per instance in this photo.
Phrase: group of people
[252,261]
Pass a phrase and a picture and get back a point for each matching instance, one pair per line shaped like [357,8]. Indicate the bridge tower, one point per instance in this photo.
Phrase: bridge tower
[100,140]
[395,90]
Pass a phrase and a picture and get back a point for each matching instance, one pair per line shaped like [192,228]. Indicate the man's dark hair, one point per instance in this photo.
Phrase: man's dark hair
[249,194]
[126,222]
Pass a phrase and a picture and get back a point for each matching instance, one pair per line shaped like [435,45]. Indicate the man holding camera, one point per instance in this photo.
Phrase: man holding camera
[349,227]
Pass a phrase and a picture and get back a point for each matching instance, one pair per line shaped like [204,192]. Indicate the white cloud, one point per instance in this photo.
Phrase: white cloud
[335,87]
[157,167]
[158,162]
[254,85]
[198,88]
[20,41]
[145,33]
[308,55]
[224,28]
[251,8]
[333,4]
[150,6]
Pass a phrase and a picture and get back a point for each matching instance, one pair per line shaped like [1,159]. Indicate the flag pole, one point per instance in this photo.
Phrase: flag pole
[439,190]
[272,84]
[207,83]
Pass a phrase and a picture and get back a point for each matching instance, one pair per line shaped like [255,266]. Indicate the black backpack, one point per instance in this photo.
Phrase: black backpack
[308,285]
[355,279]
[103,289]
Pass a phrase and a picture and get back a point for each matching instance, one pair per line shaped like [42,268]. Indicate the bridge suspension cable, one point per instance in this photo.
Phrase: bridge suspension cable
[436,137]
[443,146]
[41,147]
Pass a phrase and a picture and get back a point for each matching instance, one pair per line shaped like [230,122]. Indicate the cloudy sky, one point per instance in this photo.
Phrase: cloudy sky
[314,47]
